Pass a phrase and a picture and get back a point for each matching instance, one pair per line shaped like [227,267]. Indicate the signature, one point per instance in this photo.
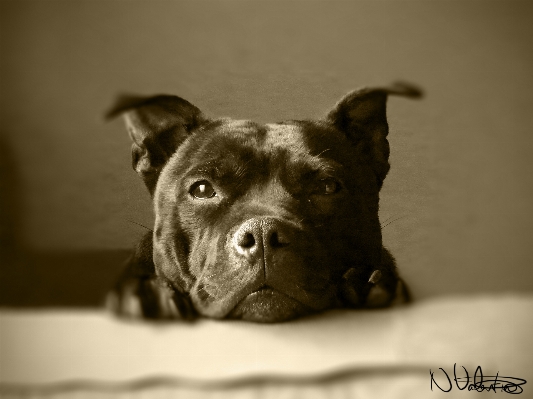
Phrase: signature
[480,383]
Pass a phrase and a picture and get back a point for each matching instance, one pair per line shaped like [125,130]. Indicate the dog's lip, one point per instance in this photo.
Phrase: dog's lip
[267,304]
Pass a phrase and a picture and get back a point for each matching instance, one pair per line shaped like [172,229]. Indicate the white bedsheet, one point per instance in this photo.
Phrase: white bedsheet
[42,348]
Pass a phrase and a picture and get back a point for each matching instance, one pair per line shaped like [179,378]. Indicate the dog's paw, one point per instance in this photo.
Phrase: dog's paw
[378,292]
[349,292]
[148,299]
[380,296]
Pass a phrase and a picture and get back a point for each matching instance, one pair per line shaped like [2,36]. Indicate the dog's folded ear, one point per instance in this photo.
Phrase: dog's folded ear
[362,116]
[157,125]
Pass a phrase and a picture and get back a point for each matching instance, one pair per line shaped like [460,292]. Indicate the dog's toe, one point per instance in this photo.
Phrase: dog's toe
[112,302]
[171,305]
[402,294]
[184,307]
[148,299]
[124,301]
[131,307]
[378,297]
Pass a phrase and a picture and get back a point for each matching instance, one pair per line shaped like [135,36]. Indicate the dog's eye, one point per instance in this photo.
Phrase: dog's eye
[328,186]
[202,190]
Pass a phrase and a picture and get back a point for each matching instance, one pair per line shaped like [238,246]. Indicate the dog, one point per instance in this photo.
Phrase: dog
[260,222]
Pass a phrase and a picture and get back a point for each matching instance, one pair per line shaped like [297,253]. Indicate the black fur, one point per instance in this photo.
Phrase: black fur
[259,222]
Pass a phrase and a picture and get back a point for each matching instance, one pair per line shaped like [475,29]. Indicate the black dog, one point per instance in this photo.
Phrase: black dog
[259,222]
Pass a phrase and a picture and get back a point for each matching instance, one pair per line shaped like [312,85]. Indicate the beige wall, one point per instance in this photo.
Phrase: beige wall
[461,175]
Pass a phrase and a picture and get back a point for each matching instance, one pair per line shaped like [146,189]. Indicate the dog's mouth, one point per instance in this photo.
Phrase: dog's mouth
[268,305]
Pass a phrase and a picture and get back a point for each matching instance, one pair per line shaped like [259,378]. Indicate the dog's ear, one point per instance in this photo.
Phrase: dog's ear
[157,126]
[361,115]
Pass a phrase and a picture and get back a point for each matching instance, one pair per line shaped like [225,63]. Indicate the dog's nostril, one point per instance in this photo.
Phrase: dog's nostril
[247,241]
[276,240]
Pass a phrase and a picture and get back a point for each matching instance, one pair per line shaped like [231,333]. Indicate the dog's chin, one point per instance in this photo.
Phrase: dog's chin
[268,305]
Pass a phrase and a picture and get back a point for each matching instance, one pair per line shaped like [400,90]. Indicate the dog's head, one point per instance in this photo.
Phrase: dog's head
[263,221]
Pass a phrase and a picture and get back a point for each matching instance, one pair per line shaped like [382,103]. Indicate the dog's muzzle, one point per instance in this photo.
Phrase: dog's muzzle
[269,242]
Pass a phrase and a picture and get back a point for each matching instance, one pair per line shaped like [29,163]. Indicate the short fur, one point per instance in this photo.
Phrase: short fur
[259,222]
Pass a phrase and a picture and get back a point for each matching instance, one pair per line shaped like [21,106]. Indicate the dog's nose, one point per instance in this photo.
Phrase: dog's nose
[260,234]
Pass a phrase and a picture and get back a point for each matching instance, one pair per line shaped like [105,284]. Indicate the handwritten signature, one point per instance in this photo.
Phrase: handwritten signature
[480,382]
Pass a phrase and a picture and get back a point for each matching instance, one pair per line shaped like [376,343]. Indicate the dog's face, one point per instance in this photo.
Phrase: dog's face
[263,222]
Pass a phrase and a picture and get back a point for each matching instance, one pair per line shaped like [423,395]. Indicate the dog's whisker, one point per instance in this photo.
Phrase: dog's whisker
[327,149]
[392,221]
[389,218]
[302,290]
[139,224]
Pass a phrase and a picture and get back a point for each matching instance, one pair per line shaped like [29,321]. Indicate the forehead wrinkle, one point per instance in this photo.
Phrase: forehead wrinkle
[245,129]
[219,167]
[282,137]
[209,168]
[225,156]
[228,135]
[232,135]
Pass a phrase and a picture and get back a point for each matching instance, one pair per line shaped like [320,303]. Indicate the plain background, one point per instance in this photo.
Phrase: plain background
[460,187]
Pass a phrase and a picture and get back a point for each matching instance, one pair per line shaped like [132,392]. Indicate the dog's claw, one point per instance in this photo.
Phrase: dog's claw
[378,292]
[378,296]
[375,277]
